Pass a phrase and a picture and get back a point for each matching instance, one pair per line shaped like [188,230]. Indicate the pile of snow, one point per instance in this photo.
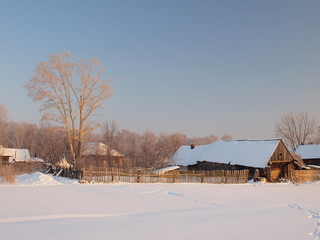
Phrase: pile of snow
[39,178]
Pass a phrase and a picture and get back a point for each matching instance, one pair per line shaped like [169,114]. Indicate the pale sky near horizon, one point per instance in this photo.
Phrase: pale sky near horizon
[197,67]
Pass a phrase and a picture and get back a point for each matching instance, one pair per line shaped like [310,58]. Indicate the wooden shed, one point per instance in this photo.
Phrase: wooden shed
[268,158]
[310,154]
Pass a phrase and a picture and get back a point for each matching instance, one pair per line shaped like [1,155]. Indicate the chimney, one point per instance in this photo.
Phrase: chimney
[192,146]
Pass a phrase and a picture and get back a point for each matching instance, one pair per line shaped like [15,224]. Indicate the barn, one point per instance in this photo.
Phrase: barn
[310,154]
[267,158]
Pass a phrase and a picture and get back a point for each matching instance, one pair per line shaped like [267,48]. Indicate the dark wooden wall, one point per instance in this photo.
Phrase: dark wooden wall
[315,161]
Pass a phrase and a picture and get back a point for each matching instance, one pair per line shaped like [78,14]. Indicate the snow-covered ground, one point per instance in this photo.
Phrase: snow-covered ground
[40,206]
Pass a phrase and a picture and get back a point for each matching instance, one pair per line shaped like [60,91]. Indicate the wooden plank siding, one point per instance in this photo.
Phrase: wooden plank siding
[314,161]
[306,175]
[280,164]
[281,154]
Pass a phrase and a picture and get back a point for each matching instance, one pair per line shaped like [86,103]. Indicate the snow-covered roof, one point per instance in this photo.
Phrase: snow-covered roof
[167,169]
[15,154]
[254,153]
[313,166]
[309,151]
[99,148]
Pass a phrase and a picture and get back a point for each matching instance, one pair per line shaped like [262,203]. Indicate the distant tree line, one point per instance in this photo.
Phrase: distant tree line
[146,150]
[50,143]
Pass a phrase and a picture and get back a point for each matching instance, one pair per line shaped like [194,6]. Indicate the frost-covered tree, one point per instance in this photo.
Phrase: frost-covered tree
[70,93]
[296,128]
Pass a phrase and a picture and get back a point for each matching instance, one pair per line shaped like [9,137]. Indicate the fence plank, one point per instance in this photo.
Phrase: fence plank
[146,176]
[306,175]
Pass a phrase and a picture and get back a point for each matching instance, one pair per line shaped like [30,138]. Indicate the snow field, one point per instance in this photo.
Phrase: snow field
[40,206]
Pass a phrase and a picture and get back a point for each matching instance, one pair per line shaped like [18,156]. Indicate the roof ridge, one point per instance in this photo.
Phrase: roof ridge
[267,139]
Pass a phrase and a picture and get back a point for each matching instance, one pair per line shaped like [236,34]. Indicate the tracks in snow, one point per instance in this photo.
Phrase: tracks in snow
[311,214]
[182,196]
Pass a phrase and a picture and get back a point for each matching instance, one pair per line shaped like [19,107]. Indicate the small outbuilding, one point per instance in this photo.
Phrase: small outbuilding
[15,155]
[310,154]
[99,154]
[268,158]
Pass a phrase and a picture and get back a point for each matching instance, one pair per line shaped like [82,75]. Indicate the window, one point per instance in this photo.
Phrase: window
[280,156]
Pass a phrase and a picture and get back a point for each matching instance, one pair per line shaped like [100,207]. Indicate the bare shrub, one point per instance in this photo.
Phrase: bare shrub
[298,158]
[63,163]
[7,174]
[27,167]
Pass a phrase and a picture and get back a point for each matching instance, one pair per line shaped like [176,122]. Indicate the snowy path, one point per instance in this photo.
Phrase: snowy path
[42,207]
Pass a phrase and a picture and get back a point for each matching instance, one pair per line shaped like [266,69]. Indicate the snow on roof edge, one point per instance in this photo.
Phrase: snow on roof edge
[245,152]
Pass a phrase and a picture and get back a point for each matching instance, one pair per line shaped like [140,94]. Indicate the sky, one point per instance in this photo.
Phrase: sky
[197,67]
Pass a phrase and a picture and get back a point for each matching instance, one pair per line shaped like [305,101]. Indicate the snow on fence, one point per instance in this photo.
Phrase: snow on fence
[306,175]
[147,176]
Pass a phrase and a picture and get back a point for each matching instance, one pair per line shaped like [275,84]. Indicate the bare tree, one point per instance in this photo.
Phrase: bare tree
[109,134]
[128,143]
[17,134]
[226,137]
[3,123]
[203,140]
[51,144]
[296,128]
[210,139]
[166,146]
[148,152]
[22,135]
[176,140]
[70,93]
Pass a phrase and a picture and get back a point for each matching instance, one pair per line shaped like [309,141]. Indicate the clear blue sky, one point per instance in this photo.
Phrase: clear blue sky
[197,67]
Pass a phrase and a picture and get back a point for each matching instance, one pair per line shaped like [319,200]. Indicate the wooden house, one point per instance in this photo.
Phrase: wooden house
[310,154]
[268,158]
[98,154]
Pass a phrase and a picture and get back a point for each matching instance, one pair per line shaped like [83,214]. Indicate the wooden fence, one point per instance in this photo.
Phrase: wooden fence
[65,172]
[306,175]
[146,176]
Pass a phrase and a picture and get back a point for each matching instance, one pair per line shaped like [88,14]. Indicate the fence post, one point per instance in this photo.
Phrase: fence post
[80,177]
[202,177]
[138,176]
[112,174]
